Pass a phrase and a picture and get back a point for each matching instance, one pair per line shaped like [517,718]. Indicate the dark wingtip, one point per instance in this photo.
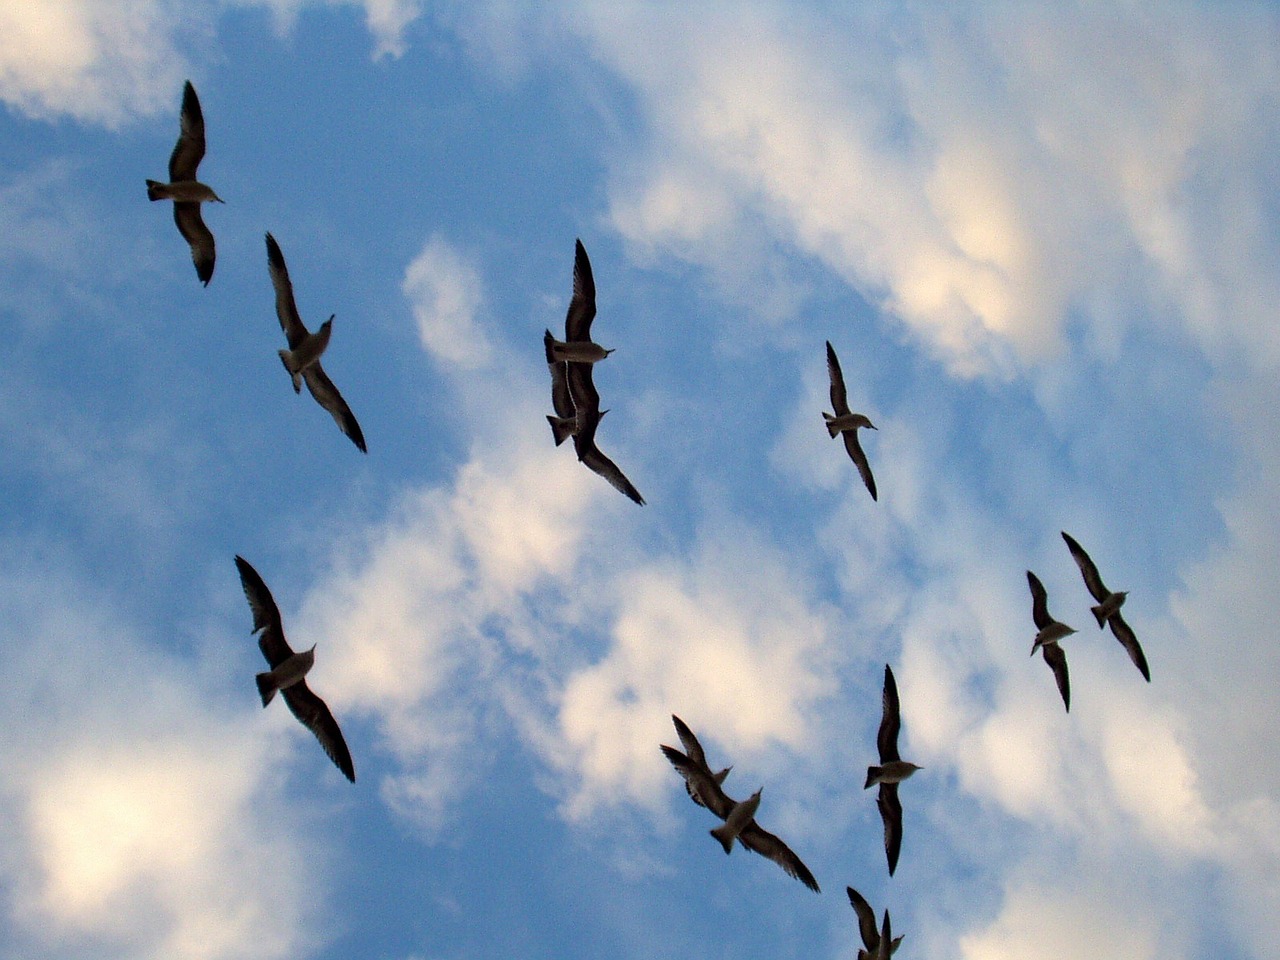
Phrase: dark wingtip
[274,254]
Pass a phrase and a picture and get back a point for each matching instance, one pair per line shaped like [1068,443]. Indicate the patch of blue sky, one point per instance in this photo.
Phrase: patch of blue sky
[1049,316]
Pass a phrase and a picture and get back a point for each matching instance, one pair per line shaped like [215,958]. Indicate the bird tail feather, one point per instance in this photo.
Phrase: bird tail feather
[562,428]
[266,687]
[724,835]
[872,774]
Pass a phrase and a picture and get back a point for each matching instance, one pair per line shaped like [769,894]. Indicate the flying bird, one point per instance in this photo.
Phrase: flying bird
[288,671]
[845,422]
[1108,609]
[879,944]
[1050,631]
[891,771]
[693,750]
[186,192]
[302,359]
[577,385]
[705,789]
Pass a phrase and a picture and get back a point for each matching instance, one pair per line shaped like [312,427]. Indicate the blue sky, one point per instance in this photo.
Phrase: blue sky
[1042,240]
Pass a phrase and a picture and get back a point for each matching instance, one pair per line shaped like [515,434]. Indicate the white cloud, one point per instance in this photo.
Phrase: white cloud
[138,821]
[412,622]
[105,61]
[729,640]
[1038,922]
[95,61]
[982,175]
[388,20]
[446,291]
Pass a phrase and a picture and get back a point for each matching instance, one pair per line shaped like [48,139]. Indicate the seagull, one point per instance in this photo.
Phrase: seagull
[1050,632]
[288,671]
[302,359]
[702,783]
[1108,608]
[847,423]
[186,192]
[891,771]
[879,945]
[578,383]
[741,815]
[693,750]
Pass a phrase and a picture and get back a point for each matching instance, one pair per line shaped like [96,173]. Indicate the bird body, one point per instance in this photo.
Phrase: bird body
[184,191]
[848,422]
[564,424]
[307,352]
[290,670]
[1051,633]
[577,351]
[742,814]
[895,771]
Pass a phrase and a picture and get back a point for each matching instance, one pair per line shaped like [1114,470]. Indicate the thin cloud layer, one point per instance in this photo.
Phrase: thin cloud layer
[416,621]
[94,61]
[138,821]
[1069,220]
[106,61]
[985,177]
[446,292]
[728,639]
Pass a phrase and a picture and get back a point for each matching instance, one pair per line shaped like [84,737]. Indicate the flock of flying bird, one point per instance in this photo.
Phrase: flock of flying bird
[577,415]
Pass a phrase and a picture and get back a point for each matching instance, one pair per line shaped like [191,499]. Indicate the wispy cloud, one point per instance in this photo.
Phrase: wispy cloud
[106,61]
[139,818]
[445,291]
[950,167]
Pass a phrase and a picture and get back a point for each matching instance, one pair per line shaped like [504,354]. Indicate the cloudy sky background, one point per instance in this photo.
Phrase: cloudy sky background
[1043,242]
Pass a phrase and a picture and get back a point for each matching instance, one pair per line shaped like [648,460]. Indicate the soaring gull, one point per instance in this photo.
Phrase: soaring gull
[1050,631]
[302,359]
[879,944]
[288,671]
[186,192]
[705,789]
[693,750]
[891,771]
[573,392]
[845,422]
[1108,609]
